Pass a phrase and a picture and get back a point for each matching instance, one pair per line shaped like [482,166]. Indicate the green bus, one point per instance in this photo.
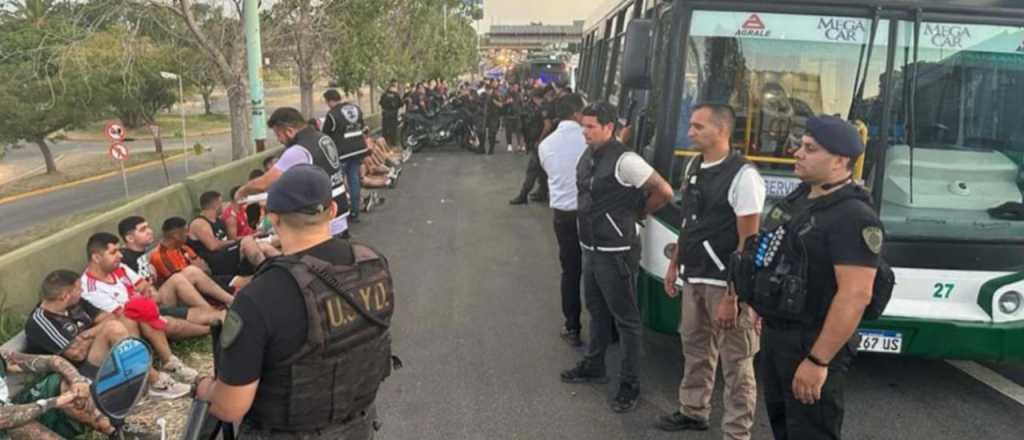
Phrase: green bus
[937,87]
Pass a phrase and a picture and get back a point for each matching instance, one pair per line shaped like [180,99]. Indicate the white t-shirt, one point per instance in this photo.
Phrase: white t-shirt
[106,296]
[559,154]
[296,155]
[632,170]
[747,190]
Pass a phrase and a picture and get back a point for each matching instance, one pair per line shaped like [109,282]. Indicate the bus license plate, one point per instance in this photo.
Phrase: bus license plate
[880,341]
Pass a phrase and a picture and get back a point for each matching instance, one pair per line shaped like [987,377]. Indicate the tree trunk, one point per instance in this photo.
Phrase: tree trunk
[206,102]
[306,84]
[158,144]
[373,98]
[241,120]
[51,165]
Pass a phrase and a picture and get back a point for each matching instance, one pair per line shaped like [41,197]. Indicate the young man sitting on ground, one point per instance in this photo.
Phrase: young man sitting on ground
[236,218]
[52,408]
[187,285]
[114,289]
[173,256]
[62,324]
[208,236]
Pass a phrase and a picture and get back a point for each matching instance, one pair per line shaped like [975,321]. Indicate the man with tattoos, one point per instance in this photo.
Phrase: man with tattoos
[53,408]
[64,325]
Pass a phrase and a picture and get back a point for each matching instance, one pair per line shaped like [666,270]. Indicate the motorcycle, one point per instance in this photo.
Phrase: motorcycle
[435,128]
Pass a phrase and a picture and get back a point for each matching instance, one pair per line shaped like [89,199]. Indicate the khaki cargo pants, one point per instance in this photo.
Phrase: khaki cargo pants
[702,346]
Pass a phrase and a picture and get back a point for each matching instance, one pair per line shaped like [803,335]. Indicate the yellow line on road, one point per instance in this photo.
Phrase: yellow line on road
[84,181]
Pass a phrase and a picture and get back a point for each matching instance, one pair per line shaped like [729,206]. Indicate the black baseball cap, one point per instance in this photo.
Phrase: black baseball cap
[836,135]
[302,188]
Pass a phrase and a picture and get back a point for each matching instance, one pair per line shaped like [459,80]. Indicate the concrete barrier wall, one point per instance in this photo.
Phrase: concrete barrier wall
[22,270]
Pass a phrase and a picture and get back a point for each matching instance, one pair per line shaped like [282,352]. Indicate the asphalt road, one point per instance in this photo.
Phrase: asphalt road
[478,318]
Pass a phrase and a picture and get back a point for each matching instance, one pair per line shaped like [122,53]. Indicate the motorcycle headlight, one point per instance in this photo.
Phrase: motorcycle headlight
[1010,302]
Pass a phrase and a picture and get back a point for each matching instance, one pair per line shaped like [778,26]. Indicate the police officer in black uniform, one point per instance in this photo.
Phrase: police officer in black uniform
[536,114]
[810,274]
[390,103]
[304,145]
[344,124]
[493,108]
[305,346]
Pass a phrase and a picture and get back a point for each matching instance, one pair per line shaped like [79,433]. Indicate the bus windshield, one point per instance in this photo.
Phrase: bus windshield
[953,167]
[776,71]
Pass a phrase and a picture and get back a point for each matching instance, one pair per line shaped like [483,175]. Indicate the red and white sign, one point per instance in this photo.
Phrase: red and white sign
[115,132]
[754,23]
[118,152]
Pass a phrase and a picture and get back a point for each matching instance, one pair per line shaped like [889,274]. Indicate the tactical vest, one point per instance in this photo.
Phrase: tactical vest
[347,353]
[709,221]
[771,272]
[325,156]
[607,210]
[348,130]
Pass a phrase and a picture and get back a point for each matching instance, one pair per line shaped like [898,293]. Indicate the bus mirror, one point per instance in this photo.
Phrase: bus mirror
[636,56]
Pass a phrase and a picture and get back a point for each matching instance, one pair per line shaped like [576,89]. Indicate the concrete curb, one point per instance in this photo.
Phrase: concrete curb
[75,183]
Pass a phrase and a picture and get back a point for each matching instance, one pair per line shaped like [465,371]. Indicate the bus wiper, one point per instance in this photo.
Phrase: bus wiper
[859,81]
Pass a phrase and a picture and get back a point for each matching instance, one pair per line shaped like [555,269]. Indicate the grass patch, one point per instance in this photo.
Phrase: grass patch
[74,168]
[11,324]
[184,349]
[170,127]
[35,233]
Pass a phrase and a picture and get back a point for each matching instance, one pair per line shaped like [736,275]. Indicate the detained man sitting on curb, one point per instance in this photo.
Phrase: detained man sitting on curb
[62,324]
[52,408]
[208,236]
[187,286]
[120,293]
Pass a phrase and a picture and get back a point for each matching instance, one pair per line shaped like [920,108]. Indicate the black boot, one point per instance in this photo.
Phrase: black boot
[626,398]
[584,372]
[519,200]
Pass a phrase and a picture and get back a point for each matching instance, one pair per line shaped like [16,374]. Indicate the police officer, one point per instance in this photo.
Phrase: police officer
[344,124]
[306,344]
[304,145]
[723,196]
[536,112]
[615,189]
[493,108]
[390,103]
[810,274]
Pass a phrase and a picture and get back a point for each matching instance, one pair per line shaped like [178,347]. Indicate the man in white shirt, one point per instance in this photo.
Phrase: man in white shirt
[559,154]
[723,196]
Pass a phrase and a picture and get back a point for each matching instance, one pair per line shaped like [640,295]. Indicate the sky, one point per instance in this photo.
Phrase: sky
[526,11]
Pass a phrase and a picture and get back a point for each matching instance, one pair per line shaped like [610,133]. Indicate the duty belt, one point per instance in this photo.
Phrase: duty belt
[353,134]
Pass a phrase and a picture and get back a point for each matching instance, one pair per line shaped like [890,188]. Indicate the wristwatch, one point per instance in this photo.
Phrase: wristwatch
[814,360]
[46,404]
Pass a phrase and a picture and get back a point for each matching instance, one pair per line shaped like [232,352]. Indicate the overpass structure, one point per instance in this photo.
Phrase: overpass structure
[533,36]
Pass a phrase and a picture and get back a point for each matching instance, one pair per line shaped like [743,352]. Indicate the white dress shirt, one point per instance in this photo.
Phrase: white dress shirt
[559,153]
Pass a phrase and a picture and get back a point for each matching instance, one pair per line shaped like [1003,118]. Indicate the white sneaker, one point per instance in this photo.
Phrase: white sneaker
[509,148]
[178,368]
[166,387]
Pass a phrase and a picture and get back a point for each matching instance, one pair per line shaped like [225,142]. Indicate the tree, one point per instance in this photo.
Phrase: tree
[36,98]
[217,35]
[200,75]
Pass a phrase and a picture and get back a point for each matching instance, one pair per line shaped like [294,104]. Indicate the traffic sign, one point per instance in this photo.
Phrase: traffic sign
[118,152]
[115,132]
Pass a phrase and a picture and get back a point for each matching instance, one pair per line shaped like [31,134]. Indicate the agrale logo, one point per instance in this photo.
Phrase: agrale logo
[753,27]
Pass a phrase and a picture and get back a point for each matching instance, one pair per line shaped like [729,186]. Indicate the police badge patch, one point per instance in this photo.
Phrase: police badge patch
[872,238]
[231,329]
[351,113]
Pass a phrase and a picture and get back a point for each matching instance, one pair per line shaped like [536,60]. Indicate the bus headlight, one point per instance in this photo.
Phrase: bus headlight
[1010,302]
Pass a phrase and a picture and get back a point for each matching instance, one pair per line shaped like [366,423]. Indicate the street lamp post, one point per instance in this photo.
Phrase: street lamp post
[181,99]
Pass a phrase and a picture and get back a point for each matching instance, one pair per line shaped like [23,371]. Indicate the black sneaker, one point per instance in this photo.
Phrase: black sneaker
[572,337]
[538,197]
[583,372]
[517,201]
[678,422]
[626,398]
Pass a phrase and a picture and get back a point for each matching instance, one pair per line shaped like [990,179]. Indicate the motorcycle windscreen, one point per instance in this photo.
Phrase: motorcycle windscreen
[122,379]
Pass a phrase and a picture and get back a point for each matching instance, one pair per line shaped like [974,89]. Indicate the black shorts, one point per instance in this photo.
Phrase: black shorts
[180,312]
[228,262]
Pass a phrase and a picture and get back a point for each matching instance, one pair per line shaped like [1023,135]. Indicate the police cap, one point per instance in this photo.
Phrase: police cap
[302,188]
[836,135]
